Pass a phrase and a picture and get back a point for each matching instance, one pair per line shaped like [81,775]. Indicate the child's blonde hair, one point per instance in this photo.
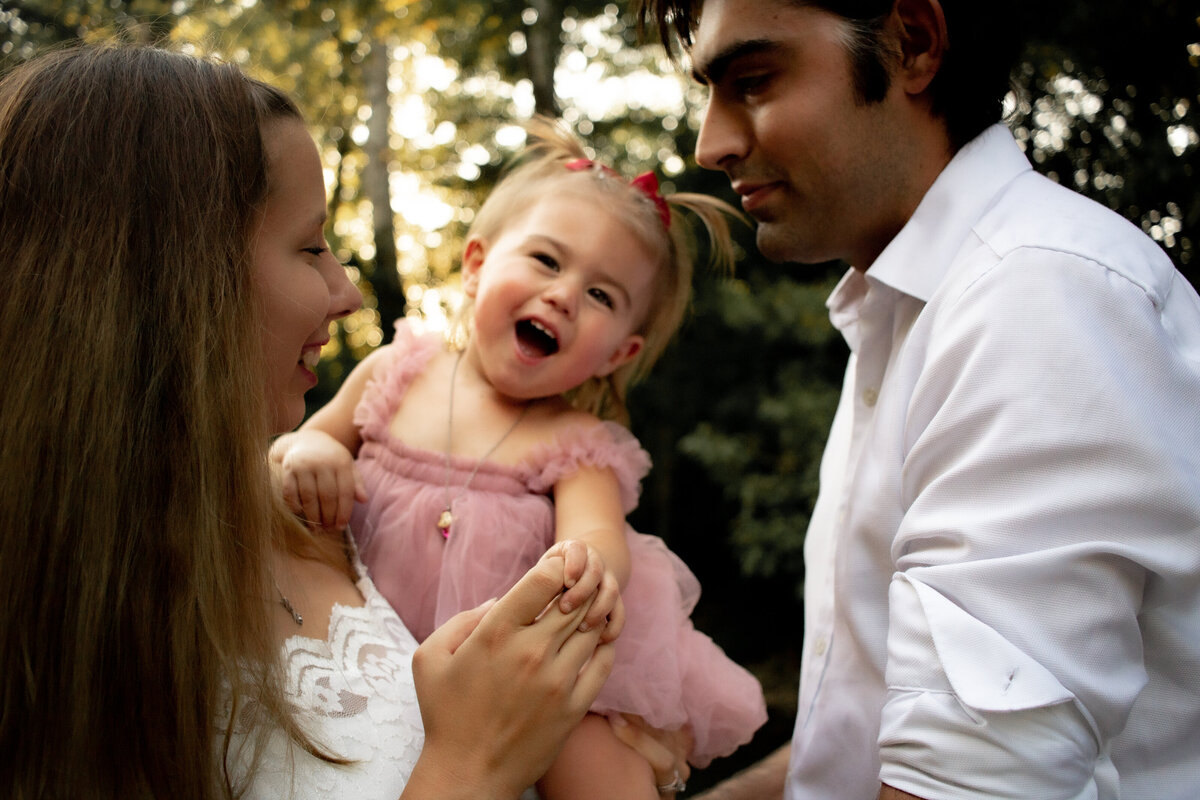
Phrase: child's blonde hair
[555,162]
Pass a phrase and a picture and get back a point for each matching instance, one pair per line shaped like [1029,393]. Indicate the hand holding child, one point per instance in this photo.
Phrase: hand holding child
[665,750]
[523,648]
[318,477]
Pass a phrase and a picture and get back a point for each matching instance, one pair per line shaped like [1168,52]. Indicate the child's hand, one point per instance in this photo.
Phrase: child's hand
[318,478]
[585,574]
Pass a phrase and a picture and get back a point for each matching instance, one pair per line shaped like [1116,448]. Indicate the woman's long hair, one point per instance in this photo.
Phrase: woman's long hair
[136,514]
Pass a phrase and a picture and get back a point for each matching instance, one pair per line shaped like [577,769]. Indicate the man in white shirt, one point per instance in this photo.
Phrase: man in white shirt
[1002,593]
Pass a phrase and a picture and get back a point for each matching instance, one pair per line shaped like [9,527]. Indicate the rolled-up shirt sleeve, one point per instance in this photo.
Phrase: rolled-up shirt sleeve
[1051,492]
[988,721]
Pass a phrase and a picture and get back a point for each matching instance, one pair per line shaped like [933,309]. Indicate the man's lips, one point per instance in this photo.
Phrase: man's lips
[754,195]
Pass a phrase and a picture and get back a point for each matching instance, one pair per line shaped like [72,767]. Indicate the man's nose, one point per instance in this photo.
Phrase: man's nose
[722,140]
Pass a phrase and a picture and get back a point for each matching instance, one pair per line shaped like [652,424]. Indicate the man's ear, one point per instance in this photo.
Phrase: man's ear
[921,29]
[472,262]
[624,353]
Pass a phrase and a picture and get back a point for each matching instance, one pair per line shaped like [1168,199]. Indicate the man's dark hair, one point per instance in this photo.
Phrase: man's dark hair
[967,92]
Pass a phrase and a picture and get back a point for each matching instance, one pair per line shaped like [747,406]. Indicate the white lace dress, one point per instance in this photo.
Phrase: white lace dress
[356,697]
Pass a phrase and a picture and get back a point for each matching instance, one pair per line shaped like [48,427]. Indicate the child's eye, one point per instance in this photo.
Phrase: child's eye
[601,296]
[316,251]
[547,260]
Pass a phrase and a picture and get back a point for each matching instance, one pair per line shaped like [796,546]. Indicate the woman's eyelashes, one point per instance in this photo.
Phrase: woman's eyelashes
[318,251]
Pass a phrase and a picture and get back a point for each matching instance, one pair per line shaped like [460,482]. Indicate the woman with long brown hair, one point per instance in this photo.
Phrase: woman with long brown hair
[166,288]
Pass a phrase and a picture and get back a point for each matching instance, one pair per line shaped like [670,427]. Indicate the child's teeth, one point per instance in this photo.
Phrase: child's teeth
[311,358]
[542,328]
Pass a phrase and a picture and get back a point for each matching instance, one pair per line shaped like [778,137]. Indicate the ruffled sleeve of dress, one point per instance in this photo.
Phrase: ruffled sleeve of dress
[666,671]
[603,445]
[406,357]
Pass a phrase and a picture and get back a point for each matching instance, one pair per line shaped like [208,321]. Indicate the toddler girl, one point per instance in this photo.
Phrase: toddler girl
[473,460]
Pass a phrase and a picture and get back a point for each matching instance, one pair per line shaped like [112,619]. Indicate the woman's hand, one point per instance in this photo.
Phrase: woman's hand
[501,686]
[666,751]
[587,577]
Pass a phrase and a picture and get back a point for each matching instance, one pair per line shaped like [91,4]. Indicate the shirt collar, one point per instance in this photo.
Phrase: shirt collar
[916,260]
[844,304]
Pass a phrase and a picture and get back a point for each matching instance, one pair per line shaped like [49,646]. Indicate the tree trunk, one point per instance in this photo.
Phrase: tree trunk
[544,43]
[385,278]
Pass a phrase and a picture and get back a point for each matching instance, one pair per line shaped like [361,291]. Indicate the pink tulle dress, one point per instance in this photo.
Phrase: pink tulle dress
[666,670]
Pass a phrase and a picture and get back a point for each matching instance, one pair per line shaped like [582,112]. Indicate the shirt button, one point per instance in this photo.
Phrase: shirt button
[869,396]
[820,646]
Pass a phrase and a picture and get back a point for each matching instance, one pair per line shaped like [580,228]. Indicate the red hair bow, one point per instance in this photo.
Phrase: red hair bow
[646,183]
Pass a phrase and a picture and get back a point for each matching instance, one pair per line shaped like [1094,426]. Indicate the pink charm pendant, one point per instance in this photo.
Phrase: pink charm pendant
[443,523]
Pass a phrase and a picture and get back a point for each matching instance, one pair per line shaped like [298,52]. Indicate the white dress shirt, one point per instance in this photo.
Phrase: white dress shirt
[1003,568]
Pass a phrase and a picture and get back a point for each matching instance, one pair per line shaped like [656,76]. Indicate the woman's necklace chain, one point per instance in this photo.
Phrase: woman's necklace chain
[287,604]
[446,518]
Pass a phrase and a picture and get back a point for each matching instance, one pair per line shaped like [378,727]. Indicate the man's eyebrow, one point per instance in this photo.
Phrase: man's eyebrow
[718,65]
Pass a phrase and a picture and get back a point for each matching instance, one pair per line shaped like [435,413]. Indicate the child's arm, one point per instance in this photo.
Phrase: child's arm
[315,464]
[588,509]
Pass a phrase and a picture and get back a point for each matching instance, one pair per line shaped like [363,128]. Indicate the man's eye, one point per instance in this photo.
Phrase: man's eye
[601,296]
[750,83]
[547,260]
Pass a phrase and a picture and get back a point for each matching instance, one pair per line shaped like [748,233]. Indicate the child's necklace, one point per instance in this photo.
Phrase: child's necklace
[446,518]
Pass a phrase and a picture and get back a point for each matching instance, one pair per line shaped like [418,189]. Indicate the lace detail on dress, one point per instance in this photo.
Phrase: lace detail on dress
[355,696]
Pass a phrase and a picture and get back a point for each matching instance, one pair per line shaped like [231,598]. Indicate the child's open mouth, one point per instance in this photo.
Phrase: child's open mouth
[536,339]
